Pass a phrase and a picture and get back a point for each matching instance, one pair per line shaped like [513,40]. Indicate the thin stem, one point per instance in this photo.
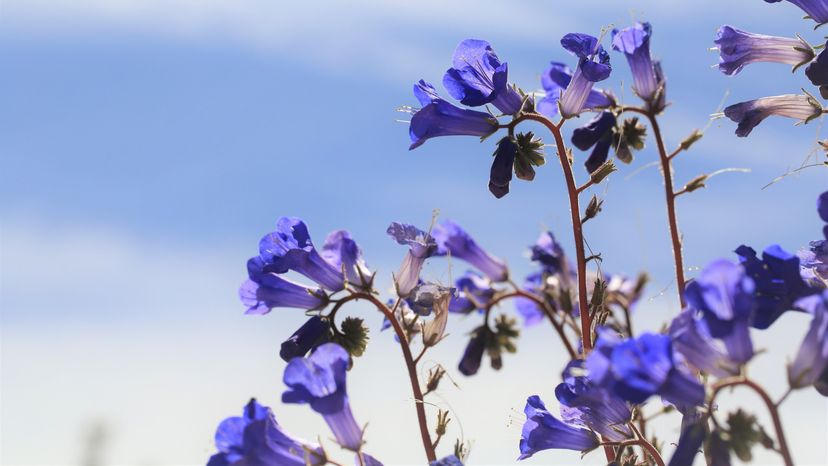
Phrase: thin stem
[647,446]
[670,196]
[772,409]
[541,304]
[577,228]
[409,363]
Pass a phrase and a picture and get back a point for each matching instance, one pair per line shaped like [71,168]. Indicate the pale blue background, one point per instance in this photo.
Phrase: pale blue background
[146,146]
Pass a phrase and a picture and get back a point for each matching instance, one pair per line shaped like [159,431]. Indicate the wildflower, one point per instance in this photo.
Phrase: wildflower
[693,341]
[264,291]
[816,9]
[343,253]
[634,42]
[474,292]
[450,460]
[814,263]
[421,246]
[598,133]
[555,80]
[502,167]
[543,431]
[749,114]
[453,239]
[810,366]
[434,330]
[585,404]
[473,354]
[312,333]
[593,66]
[738,48]
[477,77]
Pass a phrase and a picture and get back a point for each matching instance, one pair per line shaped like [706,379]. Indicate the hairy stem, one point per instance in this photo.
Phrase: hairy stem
[772,409]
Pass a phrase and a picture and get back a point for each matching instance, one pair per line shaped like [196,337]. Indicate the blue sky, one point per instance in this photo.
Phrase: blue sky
[147,145]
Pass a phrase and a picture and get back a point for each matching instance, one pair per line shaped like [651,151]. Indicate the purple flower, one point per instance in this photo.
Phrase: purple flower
[343,253]
[256,439]
[473,354]
[421,246]
[634,42]
[724,294]
[778,282]
[264,291]
[593,66]
[822,206]
[693,433]
[290,248]
[312,333]
[598,133]
[555,80]
[528,309]
[440,118]
[738,48]
[693,341]
[501,173]
[816,9]
[585,404]
[425,296]
[477,77]
[542,431]
[452,239]
[814,263]
[549,253]
[450,460]
[319,380]
[749,114]
[473,290]
[811,362]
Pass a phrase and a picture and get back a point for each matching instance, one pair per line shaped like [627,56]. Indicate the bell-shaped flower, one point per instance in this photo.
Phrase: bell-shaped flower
[634,42]
[817,10]
[543,431]
[434,329]
[693,341]
[549,253]
[555,80]
[454,240]
[593,66]
[256,439]
[585,404]
[264,291]
[724,293]
[477,77]
[693,432]
[290,248]
[738,48]
[811,362]
[500,175]
[438,117]
[598,134]
[473,354]
[341,251]
[474,291]
[319,380]
[748,115]
[527,308]
[421,246]
[312,333]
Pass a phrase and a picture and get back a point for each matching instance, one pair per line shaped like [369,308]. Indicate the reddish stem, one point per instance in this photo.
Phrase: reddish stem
[549,314]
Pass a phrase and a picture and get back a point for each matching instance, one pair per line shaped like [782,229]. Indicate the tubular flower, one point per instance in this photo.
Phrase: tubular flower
[312,333]
[474,292]
[749,114]
[543,431]
[290,248]
[421,246]
[477,77]
[256,439]
[738,48]
[593,66]
[500,175]
[692,339]
[264,291]
[454,240]
[473,354]
[344,254]
[816,9]
[438,117]
[598,134]
[555,80]
[810,366]
[319,380]
[634,42]
[814,263]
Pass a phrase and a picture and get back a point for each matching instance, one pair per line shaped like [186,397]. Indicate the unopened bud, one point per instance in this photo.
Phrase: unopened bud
[434,377]
[690,140]
[593,208]
[696,183]
[603,171]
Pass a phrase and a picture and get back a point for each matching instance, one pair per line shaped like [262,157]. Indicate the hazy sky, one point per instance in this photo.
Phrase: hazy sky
[147,145]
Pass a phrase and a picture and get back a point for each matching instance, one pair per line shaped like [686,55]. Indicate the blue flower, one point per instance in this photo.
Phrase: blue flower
[542,431]
[778,282]
[438,118]
[822,207]
[645,366]
[341,251]
[738,48]
[811,362]
[454,240]
[367,460]
[450,460]
[816,9]
[634,42]
[693,433]
[585,404]
[319,380]
[593,66]
[598,133]
[421,246]
[749,114]
[723,292]
[426,296]
[501,173]
[528,309]
[692,339]
[549,253]
[477,77]
[290,248]
[473,354]
[474,292]
[256,439]
[555,80]
[312,333]
[264,291]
